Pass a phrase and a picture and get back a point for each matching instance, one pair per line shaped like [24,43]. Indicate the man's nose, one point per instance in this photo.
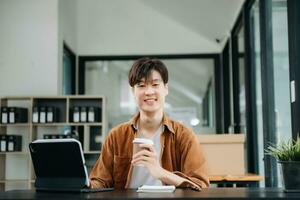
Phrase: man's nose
[149,89]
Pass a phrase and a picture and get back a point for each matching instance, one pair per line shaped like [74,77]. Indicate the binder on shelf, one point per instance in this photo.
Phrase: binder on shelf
[94,114]
[52,114]
[4,115]
[42,114]
[53,136]
[10,143]
[75,114]
[83,114]
[46,136]
[60,136]
[91,114]
[14,143]
[18,143]
[3,143]
[17,115]
[95,140]
[12,115]
[35,114]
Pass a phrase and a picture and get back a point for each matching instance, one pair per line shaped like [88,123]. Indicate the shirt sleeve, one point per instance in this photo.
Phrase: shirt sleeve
[192,162]
[101,175]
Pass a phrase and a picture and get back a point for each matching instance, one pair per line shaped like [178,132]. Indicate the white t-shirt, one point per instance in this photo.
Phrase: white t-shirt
[140,174]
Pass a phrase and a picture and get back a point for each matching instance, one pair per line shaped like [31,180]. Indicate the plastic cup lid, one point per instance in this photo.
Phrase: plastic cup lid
[142,141]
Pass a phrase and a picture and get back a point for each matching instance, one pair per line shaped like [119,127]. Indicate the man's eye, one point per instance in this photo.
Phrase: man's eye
[155,85]
[141,85]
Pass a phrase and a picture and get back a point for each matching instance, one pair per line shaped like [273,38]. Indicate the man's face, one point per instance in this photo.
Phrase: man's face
[150,95]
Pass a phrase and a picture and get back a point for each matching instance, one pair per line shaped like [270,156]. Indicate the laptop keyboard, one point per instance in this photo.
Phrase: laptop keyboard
[87,190]
[80,190]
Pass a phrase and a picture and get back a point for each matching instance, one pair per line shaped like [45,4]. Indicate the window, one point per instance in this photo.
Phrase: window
[191,102]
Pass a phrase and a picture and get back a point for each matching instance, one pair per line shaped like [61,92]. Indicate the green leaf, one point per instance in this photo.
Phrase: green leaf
[285,151]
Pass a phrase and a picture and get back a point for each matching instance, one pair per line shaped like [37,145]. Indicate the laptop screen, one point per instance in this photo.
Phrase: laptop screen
[58,160]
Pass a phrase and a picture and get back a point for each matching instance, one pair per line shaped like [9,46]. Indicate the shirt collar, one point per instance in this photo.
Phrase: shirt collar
[165,121]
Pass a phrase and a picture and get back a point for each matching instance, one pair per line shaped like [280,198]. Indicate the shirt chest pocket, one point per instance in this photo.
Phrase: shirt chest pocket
[121,168]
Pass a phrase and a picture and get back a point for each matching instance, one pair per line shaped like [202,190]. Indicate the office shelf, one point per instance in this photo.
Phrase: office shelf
[14,124]
[90,134]
[50,124]
[85,124]
[13,153]
[67,124]
[14,180]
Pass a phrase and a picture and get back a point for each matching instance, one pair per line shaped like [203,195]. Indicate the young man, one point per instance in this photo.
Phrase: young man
[174,159]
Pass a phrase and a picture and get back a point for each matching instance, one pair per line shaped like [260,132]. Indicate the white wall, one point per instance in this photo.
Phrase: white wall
[28,50]
[68,22]
[67,32]
[108,27]
[28,60]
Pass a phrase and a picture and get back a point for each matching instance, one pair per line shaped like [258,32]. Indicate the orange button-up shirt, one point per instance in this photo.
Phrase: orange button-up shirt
[180,154]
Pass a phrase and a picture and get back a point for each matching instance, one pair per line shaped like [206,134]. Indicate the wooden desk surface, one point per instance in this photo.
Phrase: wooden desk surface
[207,193]
[236,178]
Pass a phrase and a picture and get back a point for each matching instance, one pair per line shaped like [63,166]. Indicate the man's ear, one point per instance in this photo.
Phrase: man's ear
[132,90]
[167,89]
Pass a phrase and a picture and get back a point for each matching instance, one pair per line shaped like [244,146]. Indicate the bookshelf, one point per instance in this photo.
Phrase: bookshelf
[16,171]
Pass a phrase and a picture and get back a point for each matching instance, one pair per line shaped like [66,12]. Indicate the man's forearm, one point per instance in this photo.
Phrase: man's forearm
[169,178]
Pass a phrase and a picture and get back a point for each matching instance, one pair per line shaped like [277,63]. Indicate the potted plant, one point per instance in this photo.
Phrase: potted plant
[288,156]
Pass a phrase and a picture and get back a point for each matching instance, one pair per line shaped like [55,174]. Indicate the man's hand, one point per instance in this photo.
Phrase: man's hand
[148,158]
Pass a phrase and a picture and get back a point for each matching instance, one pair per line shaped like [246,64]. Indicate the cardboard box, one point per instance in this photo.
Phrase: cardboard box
[224,153]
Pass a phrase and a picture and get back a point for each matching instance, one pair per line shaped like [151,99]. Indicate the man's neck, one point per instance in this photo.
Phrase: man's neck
[150,122]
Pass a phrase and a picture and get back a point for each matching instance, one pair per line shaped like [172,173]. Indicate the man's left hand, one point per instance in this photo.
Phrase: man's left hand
[148,157]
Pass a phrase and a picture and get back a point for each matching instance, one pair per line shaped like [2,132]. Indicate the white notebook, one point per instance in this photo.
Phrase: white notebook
[154,188]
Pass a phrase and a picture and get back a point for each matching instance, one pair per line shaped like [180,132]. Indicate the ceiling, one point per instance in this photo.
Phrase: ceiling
[211,19]
[108,27]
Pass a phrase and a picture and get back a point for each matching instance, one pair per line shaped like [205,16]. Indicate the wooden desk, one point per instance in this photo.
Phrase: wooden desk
[235,180]
[205,194]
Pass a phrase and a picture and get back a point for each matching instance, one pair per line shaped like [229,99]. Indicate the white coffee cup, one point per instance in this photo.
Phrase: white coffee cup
[137,141]
[136,144]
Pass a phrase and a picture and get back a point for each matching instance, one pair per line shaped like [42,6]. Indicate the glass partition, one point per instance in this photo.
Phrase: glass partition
[256,52]
[281,70]
[191,98]
[281,73]
[242,89]
[281,76]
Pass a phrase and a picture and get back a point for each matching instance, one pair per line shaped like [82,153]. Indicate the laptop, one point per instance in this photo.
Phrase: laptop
[59,166]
